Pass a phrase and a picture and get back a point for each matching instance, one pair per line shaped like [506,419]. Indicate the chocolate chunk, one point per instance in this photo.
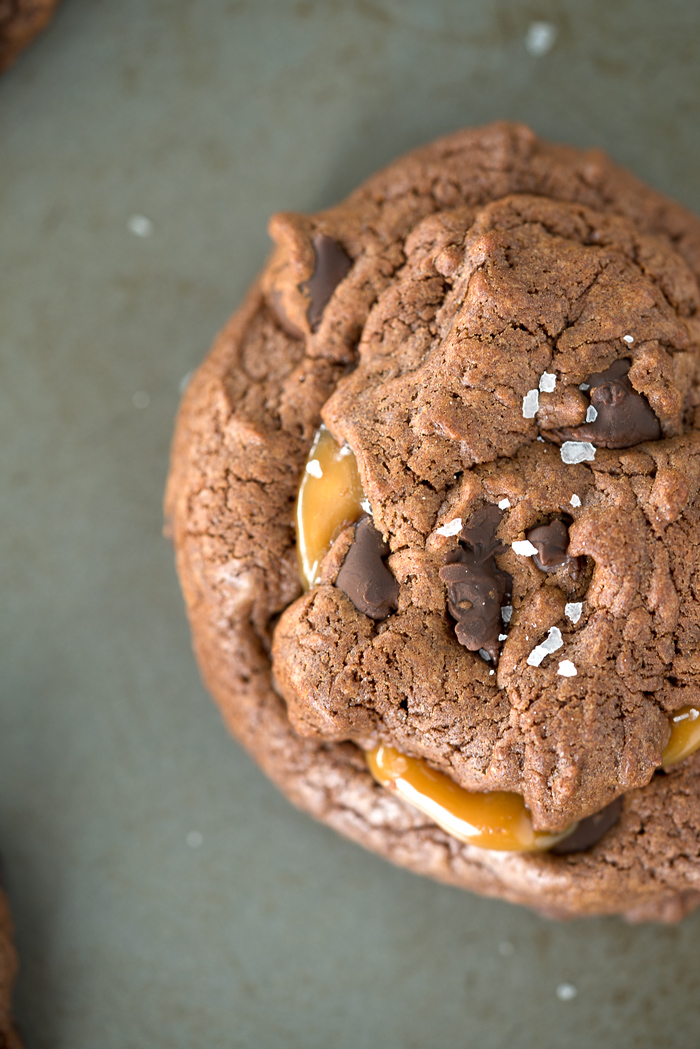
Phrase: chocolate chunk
[332,264]
[476,587]
[552,542]
[590,830]
[624,417]
[363,575]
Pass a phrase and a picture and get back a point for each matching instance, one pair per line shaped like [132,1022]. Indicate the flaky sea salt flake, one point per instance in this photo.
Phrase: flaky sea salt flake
[313,467]
[548,381]
[524,547]
[591,414]
[577,452]
[506,613]
[567,668]
[575,501]
[550,644]
[453,527]
[628,338]
[573,610]
[531,403]
[504,504]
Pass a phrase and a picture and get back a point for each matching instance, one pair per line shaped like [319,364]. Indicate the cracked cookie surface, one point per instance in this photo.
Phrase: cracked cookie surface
[494,281]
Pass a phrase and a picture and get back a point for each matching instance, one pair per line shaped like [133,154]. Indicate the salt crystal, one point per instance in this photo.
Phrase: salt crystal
[140,226]
[573,610]
[506,613]
[551,643]
[547,382]
[540,38]
[628,338]
[525,548]
[452,527]
[531,403]
[502,637]
[566,992]
[313,467]
[504,504]
[583,386]
[591,414]
[575,501]
[577,452]
[365,504]
[567,668]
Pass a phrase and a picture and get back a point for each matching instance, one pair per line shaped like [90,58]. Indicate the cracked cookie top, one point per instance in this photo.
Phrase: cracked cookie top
[504,335]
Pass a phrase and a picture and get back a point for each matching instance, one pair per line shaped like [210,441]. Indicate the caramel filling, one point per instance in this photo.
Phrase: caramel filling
[685,736]
[330,498]
[493,820]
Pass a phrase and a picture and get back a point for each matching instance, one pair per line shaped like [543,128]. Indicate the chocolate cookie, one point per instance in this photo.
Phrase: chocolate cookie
[20,21]
[8,968]
[435,500]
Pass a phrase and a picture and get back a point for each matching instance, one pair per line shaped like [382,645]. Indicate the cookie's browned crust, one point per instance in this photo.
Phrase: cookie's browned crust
[8,969]
[20,21]
[495,256]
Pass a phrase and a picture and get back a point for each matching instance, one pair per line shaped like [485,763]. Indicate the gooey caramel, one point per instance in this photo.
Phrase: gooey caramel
[685,736]
[330,498]
[492,820]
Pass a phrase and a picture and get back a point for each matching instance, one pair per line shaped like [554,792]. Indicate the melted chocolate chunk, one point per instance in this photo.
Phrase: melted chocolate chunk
[624,416]
[590,831]
[363,575]
[332,264]
[552,542]
[476,587]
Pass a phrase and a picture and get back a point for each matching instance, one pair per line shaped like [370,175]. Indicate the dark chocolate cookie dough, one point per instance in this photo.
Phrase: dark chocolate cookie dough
[504,333]
[20,21]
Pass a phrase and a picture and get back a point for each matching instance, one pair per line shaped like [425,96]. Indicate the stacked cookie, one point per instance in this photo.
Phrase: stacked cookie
[434,498]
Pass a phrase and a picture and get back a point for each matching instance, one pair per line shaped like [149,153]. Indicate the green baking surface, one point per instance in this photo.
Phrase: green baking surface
[164,894]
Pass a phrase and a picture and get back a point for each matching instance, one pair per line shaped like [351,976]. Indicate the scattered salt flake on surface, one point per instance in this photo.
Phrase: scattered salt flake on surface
[506,613]
[584,386]
[540,38]
[451,528]
[628,338]
[531,402]
[690,715]
[502,637]
[567,668]
[575,501]
[504,504]
[573,610]
[491,672]
[364,503]
[550,644]
[141,399]
[345,451]
[194,839]
[484,655]
[591,414]
[506,948]
[314,468]
[541,439]
[524,547]
[577,452]
[140,226]
[548,381]
[566,992]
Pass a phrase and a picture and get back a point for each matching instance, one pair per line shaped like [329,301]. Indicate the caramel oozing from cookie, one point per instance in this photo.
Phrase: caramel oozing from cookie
[330,498]
[491,820]
[685,736]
